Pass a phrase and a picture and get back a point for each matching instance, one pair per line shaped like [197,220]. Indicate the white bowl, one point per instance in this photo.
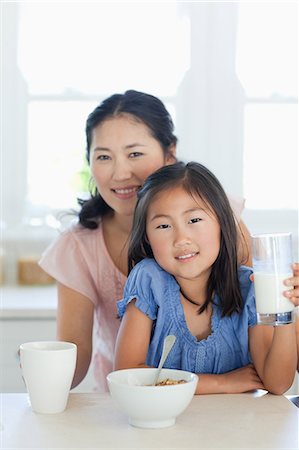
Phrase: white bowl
[151,406]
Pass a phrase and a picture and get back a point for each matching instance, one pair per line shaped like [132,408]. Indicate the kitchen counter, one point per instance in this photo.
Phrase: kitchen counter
[27,313]
[23,302]
[240,421]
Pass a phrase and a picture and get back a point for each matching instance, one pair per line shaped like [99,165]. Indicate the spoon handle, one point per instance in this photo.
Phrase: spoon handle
[167,346]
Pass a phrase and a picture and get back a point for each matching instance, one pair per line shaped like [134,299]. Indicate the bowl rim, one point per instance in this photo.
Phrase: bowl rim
[110,379]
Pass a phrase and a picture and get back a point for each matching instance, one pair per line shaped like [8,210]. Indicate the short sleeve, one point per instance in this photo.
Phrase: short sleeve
[141,285]
[65,261]
[247,288]
[251,308]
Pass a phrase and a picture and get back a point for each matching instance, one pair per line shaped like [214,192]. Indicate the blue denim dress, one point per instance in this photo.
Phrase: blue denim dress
[157,295]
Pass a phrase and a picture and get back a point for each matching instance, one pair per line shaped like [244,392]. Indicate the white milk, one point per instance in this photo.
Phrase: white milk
[268,293]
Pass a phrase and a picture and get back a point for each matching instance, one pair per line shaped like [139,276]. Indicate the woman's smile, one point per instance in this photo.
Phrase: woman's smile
[126,192]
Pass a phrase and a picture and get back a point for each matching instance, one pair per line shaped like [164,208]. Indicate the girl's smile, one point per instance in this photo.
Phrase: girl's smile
[185,258]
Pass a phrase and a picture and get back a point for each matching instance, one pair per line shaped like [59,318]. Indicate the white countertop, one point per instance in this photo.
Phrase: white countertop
[239,421]
[21,302]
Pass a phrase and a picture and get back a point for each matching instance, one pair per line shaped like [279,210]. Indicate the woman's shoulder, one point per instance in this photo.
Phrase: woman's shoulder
[73,242]
[77,259]
[75,232]
[237,205]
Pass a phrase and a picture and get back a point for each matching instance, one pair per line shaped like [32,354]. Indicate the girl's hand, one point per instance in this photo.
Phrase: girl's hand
[242,380]
[293,294]
[235,382]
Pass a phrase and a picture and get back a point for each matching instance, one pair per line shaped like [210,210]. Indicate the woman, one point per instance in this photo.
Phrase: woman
[129,136]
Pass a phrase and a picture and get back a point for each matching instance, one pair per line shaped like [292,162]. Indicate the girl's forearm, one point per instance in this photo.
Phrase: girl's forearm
[236,381]
[281,361]
[209,384]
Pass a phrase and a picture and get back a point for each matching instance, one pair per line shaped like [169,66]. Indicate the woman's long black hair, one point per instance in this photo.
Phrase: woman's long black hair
[142,107]
[198,181]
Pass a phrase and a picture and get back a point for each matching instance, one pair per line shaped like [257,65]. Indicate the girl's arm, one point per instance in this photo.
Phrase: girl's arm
[274,355]
[235,382]
[74,324]
[133,339]
[293,296]
[132,346]
[247,378]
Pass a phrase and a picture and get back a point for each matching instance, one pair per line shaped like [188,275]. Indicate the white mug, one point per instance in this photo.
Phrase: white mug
[48,369]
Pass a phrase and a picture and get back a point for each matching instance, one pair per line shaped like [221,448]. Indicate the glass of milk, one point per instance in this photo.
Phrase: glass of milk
[272,261]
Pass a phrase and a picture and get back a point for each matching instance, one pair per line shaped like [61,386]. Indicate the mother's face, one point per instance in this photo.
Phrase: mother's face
[123,154]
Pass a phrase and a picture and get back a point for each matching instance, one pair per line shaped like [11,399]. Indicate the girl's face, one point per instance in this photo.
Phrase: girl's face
[184,235]
[123,154]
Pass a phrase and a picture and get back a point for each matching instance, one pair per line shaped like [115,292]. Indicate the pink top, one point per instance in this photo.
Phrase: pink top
[79,259]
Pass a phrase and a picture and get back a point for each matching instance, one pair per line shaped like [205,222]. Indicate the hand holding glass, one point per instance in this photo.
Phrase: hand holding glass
[272,264]
[48,369]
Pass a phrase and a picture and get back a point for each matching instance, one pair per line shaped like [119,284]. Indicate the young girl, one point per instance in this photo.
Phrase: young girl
[186,281]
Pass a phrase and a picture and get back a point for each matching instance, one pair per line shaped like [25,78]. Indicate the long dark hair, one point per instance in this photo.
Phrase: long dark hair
[144,108]
[198,181]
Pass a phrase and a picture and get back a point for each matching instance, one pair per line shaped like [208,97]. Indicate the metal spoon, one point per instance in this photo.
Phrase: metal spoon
[167,346]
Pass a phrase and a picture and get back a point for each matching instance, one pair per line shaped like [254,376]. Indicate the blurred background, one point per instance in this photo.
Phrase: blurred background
[227,72]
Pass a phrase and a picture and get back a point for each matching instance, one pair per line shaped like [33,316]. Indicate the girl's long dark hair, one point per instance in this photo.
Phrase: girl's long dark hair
[142,107]
[198,181]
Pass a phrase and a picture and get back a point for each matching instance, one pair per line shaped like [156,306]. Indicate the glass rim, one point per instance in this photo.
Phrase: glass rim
[49,346]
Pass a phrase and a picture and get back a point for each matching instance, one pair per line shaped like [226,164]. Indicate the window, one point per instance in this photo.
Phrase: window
[60,59]
[56,146]
[266,64]
[74,55]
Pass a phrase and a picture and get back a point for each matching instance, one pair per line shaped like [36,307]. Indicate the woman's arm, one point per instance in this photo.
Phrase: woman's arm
[297,338]
[293,296]
[75,324]
[133,339]
[274,355]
